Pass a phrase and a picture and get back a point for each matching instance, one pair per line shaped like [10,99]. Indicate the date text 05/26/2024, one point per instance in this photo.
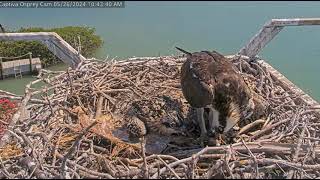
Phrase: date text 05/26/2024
[61,4]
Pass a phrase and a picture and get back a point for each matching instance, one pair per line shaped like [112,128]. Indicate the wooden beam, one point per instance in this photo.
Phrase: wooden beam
[269,31]
[30,61]
[53,41]
[260,40]
[1,71]
[295,22]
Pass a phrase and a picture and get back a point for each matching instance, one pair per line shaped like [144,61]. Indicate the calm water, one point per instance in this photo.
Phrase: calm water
[150,28]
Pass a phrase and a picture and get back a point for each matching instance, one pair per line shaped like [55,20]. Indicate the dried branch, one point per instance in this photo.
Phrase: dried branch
[75,126]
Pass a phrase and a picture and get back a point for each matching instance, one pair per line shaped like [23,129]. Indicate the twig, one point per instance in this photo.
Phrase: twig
[145,164]
[296,153]
[174,173]
[246,128]
[254,159]
[74,145]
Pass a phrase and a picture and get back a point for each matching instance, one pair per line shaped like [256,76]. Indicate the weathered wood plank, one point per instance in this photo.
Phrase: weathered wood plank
[7,68]
[269,31]
[260,40]
[295,22]
[1,72]
[9,64]
[53,41]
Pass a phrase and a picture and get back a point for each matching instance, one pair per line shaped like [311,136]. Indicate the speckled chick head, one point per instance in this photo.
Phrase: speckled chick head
[136,127]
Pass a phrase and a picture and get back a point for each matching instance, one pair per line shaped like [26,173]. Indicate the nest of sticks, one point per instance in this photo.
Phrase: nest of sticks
[74,126]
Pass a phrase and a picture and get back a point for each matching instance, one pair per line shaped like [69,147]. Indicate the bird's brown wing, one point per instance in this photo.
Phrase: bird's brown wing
[230,92]
[227,80]
[220,64]
[200,64]
[196,80]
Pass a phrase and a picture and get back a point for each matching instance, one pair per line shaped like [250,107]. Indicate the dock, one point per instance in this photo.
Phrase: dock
[19,67]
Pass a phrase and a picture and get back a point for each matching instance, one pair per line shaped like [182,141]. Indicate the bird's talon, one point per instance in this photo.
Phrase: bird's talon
[211,133]
[203,140]
[179,133]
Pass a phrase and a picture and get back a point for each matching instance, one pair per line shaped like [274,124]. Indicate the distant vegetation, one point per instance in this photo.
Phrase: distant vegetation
[90,42]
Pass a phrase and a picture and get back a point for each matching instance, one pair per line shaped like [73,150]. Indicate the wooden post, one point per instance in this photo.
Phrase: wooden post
[269,31]
[1,73]
[30,61]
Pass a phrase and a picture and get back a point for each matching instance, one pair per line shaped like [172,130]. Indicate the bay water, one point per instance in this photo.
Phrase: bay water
[153,28]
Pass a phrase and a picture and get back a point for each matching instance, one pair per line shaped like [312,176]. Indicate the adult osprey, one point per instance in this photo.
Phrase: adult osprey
[209,80]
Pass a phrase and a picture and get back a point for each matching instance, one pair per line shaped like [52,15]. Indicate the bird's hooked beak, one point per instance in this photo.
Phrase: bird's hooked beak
[184,51]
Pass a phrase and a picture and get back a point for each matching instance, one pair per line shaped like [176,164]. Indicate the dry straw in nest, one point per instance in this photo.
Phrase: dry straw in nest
[74,127]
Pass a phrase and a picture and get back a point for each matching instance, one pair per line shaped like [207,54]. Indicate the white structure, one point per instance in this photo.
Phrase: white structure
[53,41]
[270,30]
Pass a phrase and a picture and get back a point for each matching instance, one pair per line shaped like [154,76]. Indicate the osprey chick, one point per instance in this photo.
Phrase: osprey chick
[209,80]
[156,115]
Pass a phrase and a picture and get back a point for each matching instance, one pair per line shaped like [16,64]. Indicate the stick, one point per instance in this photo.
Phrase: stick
[174,173]
[145,164]
[74,145]
[247,128]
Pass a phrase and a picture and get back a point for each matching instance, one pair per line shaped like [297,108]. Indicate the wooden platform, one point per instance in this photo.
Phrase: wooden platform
[19,67]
